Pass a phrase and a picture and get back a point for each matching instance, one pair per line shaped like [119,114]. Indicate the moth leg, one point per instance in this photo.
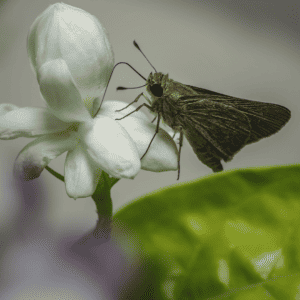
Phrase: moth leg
[144,104]
[154,119]
[149,101]
[156,131]
[179,152]
[135,100]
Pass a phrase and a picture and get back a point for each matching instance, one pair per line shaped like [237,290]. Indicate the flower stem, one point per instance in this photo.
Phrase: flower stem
[57,175]
[103,202]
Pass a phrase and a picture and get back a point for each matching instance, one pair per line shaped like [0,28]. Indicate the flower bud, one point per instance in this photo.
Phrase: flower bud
[77,37]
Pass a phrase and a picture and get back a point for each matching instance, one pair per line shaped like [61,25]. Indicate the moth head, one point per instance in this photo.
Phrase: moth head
[155,84]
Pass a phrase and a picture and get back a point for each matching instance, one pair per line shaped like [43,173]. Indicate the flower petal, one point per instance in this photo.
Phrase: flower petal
[163,153]
[59,90]
[7,107]
[72,34]
[36,155]
[81,174]
[110,147]
[27,122]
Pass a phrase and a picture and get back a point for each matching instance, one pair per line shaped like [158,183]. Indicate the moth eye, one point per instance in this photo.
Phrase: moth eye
[156,90]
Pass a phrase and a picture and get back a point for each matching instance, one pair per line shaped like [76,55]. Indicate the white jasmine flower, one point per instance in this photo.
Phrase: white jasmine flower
[72,58]
[72,34]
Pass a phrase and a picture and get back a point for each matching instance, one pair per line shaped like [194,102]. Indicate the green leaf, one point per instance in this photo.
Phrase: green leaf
[233,235]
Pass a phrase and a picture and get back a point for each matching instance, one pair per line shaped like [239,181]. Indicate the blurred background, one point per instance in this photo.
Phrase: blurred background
[246,49]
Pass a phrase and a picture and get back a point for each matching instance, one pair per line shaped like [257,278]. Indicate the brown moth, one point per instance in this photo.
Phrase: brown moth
[217,126]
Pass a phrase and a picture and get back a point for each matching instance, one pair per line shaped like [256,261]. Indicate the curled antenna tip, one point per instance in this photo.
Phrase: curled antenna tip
[136,45]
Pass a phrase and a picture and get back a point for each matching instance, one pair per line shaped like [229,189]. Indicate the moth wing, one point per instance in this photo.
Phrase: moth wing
[265,118]
[215,131]
[205,151]
[206,93]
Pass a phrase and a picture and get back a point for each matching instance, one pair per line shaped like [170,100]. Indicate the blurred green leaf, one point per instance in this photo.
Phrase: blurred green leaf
[233,235]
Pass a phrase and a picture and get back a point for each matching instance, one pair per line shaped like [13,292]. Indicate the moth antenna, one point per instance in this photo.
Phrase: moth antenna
[138,47]
[119,63]
[119,88]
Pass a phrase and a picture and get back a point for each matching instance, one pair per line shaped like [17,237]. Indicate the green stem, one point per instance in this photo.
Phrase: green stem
[55,174]
[103,202]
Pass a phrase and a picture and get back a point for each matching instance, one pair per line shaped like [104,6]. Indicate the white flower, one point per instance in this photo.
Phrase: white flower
[72,58]
[72,34]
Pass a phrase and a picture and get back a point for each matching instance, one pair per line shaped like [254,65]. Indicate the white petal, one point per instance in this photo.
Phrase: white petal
[74,35]
[37,33]
[81,174]
[110,147]
[28,122]
[36,155]
[162,154]
[7,107]
[59,90]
